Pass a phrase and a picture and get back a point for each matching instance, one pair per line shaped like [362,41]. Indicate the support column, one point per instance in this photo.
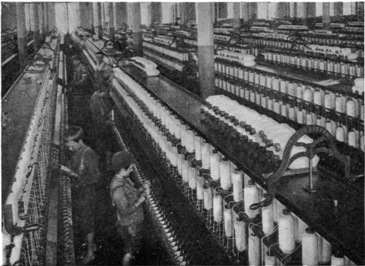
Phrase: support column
[28,26]
[338,6]
[122,14]
[205,48]
[115,16]
[97,20]
[245,11]
[295,10]
[191,11]
[134,21]
[146,13]
[304,7]
[41,22]
[253,10]
[326,16]
[102,12]
[109,6]
[45,14]
[21,32]
[230,10]
[156,12]
[283,10]
[236,17]
[51,17]
[34,24]
[311,9]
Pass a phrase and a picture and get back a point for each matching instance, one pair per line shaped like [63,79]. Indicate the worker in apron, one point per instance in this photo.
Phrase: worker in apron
[84,173]
[128,197]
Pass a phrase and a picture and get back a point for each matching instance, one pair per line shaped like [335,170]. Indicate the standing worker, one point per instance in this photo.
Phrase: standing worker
[79,91]
[100,100]
[100,107]
[84,173]
[128,199]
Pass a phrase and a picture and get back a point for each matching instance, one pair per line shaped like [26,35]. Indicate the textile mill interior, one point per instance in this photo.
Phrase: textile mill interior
[236,130]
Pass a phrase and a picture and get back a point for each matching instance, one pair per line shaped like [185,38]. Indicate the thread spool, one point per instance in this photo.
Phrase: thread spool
[198,147]
[192,177]
[283,110]
[185,171]
[270,259]
[246,179]
[330,126]
[308,95]
[264,102]
[214,165]
[267,219]
[351,108]
[309,248]
[217,208]
[317,97]
[286,232]
[291,114]
[205,155]
[270,104]
[254,249]
[251,196]
[329,100]
[300,227]
[174,157]
[324,250]
[299,92]
[240,229]
[339,104]
[179,163]
[340,133]
[353,138]
[275,84]
[237,180]
[208,198]
[183,135]
[228,224]
[277,209]
[337,259]
[177,129]
[199,186]
[291,91]
[309,119]
[190,141]
[225,173]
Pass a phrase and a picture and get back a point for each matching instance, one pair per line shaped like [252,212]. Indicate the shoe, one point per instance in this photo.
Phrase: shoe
[127,259]
[87,259]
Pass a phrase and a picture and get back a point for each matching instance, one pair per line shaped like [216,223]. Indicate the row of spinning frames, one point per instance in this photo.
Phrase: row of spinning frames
[25,211]
[271,236]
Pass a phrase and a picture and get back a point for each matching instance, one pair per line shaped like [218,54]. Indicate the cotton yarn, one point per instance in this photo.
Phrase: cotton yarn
[286,232]
[309,248]
[217,208]
[237,180]
[254,249]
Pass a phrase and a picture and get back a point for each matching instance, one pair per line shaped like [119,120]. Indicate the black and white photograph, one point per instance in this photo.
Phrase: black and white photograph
[182,133]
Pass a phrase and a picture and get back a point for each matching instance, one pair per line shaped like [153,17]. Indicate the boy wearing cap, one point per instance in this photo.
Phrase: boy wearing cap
[128,200]
[84,173]
[79,91]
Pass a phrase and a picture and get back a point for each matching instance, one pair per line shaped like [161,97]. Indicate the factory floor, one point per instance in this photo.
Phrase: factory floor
[109,243]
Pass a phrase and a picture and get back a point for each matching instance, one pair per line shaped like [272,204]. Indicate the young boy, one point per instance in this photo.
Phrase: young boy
[128,200]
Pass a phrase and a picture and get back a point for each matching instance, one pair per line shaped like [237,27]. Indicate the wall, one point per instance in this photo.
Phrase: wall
[8,15]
